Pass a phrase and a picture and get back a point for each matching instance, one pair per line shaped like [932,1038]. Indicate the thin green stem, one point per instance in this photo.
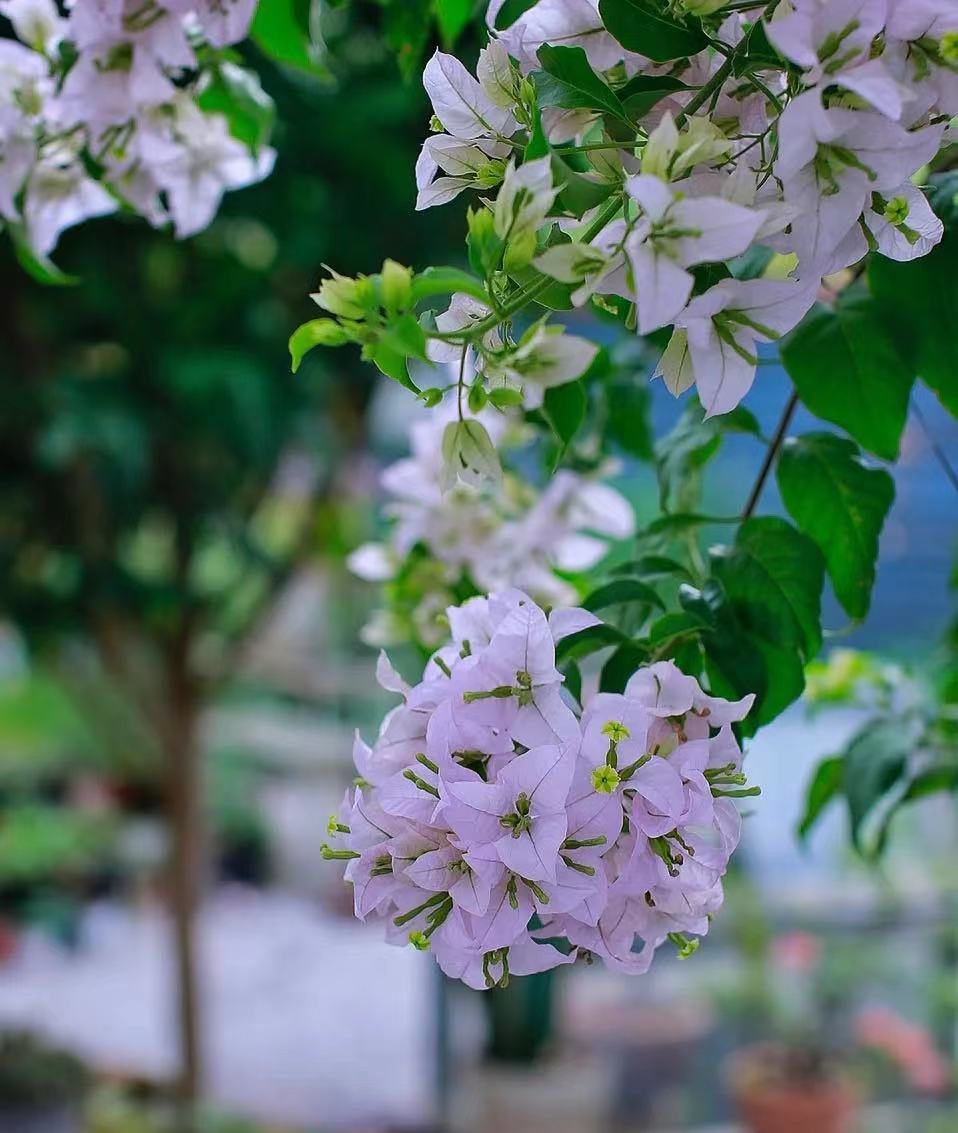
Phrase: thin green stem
[706,91]
[523,298]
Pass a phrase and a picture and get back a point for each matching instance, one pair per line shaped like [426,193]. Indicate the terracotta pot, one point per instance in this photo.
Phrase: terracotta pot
[773,1103]
[822,1108]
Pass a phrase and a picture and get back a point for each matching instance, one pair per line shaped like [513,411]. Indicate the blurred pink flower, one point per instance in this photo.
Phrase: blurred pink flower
[796,951]
[909,1045]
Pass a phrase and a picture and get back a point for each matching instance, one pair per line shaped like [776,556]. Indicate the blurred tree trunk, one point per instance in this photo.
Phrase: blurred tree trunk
[186,868]
[185,808]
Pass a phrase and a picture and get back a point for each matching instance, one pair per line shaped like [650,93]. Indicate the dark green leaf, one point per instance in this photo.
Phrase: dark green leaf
[510,11]
[621,666]
[826,785]
[281,29]
[652,566]
[678,623]
[586,641]
[874,763]
[643,26]
[573,679]
[840,503]
[621,591]
[773,578]
[847,370]
[452,17]
[641,93]
[578,194]
[564,408]
[759,54]
[683,453]
[628,422]
[568,81]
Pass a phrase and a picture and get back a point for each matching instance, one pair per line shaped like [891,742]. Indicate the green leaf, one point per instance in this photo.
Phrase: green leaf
[235,93]
[578,194]
[826,785]
[848,371]
[875,762]
[392,363]
[621,592]
[642,26]
[621,666]
[677,623]
[586,641]
[452,16]
[538,144]
[652,566]
[683,453]
[573,679]
[564,408]
[773,578]
[406,337]
[759,54]
[568,81]
[641,93]
[42,268]
[510,11]
[738,662]
[840,503]
[918,300]
[446,281]
[407,29]
[628,424]
[317,332]
[281,30]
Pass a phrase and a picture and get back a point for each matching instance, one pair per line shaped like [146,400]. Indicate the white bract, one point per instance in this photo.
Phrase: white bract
[488,536]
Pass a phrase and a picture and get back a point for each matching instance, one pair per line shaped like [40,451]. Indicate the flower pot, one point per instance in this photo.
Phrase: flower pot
[771,1101]
[790,1109]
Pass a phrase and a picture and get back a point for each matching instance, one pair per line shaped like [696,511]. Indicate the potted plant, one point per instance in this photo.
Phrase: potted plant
[41,1088]
[792,1088]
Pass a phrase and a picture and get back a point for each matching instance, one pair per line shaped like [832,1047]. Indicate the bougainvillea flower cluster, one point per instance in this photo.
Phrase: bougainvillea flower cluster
[507,832]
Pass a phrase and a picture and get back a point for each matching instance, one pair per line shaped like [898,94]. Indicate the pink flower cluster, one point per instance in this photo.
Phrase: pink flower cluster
[496,827]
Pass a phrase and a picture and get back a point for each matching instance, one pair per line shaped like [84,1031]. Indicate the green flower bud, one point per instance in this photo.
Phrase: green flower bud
[431,397]
[396,286]
[342,296]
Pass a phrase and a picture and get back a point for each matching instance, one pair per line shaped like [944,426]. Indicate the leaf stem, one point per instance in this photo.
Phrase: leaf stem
[774,446]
